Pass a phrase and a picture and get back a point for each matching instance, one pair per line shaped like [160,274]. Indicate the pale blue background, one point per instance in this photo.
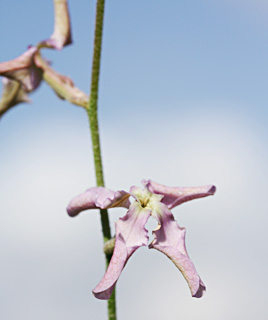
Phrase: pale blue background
[183,101]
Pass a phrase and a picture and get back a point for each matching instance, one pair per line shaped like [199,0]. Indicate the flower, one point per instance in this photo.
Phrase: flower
[154,200]
[26,72]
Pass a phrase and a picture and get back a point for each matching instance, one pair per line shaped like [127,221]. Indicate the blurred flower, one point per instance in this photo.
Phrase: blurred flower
[154,200]
[28,70]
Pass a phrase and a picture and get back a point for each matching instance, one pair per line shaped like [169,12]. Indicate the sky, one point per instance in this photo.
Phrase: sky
[183,101]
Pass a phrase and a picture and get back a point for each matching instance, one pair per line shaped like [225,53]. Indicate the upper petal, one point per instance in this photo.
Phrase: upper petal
[173,196]
[98,197]
[23,70]
[62,27]
[130,235]
[170,239]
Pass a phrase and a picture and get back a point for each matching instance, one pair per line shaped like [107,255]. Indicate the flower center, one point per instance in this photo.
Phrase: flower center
[143,196]
[146,198]
[144,202]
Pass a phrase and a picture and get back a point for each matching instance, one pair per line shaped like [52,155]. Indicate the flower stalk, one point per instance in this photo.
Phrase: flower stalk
[92,111]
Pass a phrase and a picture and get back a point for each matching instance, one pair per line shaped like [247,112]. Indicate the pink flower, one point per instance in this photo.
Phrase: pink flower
[154,200]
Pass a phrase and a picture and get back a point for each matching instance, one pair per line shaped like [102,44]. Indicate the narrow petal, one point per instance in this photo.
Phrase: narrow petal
[23,70]
[12,95]
[98,197]
[170,239]
[130,235]
[173,196]
[62,27]
[62,85]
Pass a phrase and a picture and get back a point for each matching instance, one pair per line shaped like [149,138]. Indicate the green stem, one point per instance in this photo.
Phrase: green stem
[92,111]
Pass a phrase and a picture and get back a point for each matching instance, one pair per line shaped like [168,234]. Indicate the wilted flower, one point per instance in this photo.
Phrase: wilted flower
[29,69]
[155,200]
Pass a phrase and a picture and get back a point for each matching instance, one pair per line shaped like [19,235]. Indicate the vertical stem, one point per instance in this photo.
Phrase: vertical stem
[93,101]
[92,112]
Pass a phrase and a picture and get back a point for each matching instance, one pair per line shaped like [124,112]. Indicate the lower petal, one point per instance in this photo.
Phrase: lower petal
[130,235]
[12,94]
[105,288]
[170,239]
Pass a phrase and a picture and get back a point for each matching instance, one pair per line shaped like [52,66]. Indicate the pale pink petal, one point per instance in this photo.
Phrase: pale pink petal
[130,235]
[173,196]
[98,197]
[23,70]
[62,27]
[170,239]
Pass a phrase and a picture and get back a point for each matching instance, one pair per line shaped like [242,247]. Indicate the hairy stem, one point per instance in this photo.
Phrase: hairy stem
[92,111]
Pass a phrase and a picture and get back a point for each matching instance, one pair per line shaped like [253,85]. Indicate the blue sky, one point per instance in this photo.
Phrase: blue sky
[183,101]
